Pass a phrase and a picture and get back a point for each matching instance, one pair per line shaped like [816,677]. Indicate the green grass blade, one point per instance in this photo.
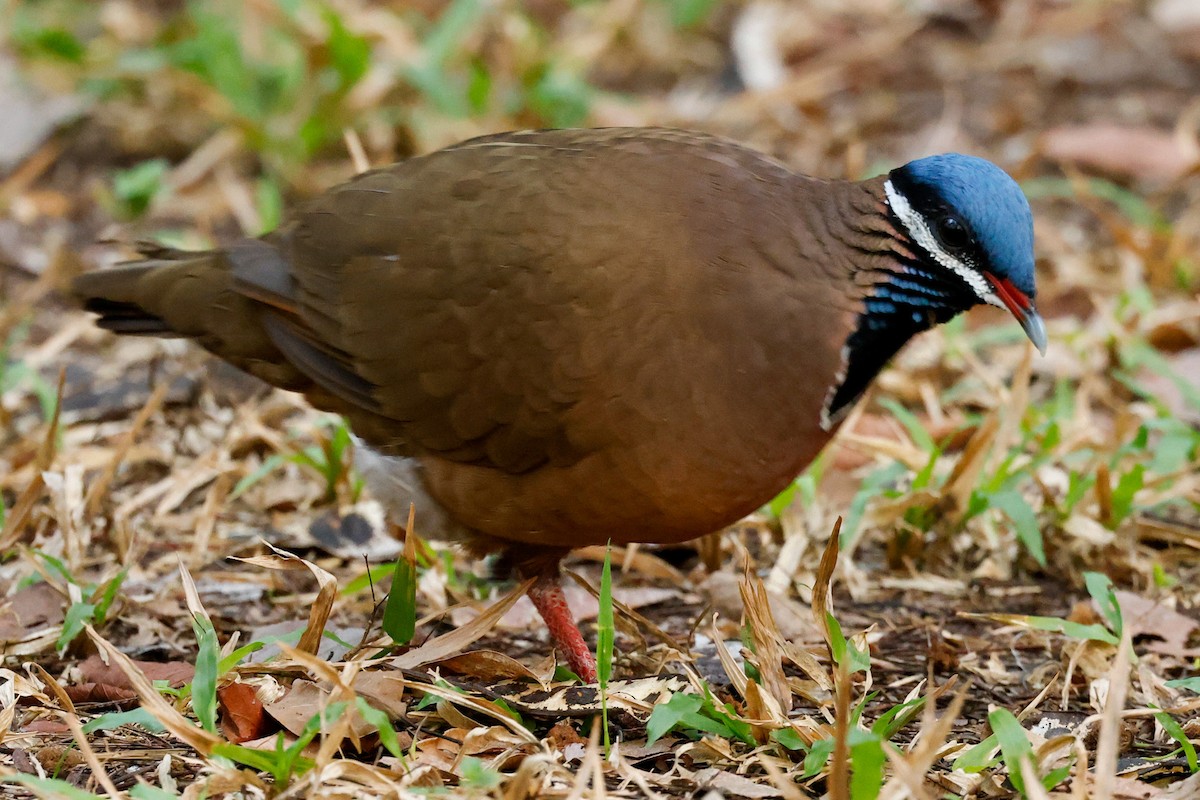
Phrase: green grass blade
[204,682]
[605,636]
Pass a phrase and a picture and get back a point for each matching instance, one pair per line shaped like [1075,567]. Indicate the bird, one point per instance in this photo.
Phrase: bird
[559,338]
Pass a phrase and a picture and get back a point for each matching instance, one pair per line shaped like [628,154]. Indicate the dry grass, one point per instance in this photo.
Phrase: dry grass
[176,514]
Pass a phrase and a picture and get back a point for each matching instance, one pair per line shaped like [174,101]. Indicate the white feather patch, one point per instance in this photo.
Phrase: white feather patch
[919,230]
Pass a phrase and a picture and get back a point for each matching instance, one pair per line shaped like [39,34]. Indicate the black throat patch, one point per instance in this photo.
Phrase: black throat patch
[905,301]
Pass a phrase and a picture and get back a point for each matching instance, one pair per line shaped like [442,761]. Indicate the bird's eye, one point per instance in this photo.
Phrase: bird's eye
[951,233]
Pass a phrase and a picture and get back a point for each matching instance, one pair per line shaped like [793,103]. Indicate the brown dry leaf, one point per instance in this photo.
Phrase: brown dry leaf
[175,673]
[795,622]
[179,725]
[734,671]
[487,665]
[965,476]
[434,752]
[462,637]
[56,757]
[14,524]
[242,713]
[302,701]
[98,693]
[728,784]
[768,643]
[912,766]
[487,739]
[563,734]
[318,615]
[100,486]
[54,726]
[1169,629]
[384,689]
[823,585]
[891,448]
[867,426]
[1128,151]
[29,611]
[763,711]
[481,707]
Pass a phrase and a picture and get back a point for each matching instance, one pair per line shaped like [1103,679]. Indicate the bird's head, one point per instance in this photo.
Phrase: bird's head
[963,235]
[969,220]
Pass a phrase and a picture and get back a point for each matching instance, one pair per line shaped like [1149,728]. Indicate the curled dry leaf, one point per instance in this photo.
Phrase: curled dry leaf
[488,666]
[768,647]
[179,725]
[460,638]
[242,713]
[318,615]
[794,621]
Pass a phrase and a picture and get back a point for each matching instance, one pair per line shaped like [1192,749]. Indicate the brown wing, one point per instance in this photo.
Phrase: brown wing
[468,296]
[495,303]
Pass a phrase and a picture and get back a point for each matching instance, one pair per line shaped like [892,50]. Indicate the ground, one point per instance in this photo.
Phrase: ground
[193,579]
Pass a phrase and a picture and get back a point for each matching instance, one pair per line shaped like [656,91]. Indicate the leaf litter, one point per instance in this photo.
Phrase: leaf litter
[1007,606]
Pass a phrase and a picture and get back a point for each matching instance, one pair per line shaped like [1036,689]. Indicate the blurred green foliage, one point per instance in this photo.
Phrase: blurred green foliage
[283,73]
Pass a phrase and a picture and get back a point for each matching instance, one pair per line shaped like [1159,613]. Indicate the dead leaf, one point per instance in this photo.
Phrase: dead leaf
[302,702]
[1128,151]
[1168,628]
[384,690]
[318,614]
[563,734]
[795,622]
[54,726]
[768,649]
[175,673]
[731,785]
[460,638]
[487,666]
[242,713]
[35,608]
[98,693]
[179,726]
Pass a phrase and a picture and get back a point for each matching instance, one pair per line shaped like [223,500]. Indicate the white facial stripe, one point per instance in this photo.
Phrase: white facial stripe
[920,233]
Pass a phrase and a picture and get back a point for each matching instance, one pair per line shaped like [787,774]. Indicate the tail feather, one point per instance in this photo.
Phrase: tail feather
[188,294]
[112,295]
[240,304]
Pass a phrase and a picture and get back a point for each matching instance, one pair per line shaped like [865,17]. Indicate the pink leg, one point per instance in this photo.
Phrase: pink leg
[547,596]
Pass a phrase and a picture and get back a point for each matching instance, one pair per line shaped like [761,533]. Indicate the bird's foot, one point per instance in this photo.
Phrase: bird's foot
[547,596]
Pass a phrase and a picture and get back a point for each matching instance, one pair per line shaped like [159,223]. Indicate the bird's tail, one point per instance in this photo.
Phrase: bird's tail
[175,293]
[154,297]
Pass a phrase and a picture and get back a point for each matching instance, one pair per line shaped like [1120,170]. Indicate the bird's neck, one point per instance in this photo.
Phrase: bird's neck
[896,296]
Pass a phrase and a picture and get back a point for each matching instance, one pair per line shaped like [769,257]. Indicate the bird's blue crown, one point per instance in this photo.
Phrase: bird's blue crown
[987,200]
